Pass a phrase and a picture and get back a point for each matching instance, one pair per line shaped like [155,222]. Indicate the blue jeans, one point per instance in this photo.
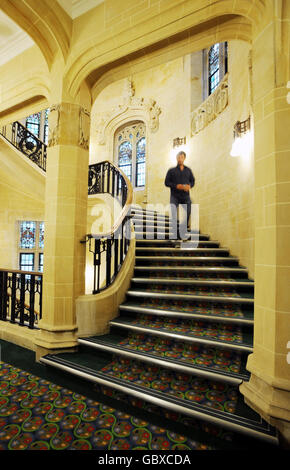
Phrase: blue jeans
[175,202]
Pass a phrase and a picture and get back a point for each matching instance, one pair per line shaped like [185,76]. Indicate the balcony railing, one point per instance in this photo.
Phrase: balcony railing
[26,142]
[20,297]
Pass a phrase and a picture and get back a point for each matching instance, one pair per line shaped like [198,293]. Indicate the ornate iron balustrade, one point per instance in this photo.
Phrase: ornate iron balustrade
[26,142]
[20,297]
[110,249]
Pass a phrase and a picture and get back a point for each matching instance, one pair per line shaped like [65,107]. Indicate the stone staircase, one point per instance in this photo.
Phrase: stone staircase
[181,340]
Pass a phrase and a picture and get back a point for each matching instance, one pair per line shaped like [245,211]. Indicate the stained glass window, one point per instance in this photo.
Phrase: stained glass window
[41,235]
[125,158]
[140,162]
[27,234]
[131,151]
[45,132]
[217,65]
[31,244]
[213,67]
[26,261]
[33,123]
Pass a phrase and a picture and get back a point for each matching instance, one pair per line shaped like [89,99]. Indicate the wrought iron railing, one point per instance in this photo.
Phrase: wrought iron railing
[20,297]
[26,142]
[110,249]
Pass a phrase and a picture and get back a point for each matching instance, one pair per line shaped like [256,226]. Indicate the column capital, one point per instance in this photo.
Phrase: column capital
[69,124]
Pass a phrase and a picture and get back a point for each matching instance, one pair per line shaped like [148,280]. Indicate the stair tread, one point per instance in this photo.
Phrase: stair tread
[230,281]
[189,311]
[223,364]
[189,296]
[206,399]
[188,330]
[209,269]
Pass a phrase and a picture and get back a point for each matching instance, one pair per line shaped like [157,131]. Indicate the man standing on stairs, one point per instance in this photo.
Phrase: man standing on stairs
[180,180]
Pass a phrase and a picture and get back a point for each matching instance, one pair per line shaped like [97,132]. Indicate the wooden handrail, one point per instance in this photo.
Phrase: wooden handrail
[126,207]
[25,305]
[36,273]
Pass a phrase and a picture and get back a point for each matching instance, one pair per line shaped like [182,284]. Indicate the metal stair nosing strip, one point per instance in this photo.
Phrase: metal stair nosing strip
[225,420]
[210,282]
[189,258]
[181,337]
[222,269]
[208,298]
[170,249]
[169,234]
[216,375]
[180,314]
[156,242]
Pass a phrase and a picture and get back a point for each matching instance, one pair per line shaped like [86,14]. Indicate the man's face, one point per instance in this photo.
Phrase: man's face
[180,158]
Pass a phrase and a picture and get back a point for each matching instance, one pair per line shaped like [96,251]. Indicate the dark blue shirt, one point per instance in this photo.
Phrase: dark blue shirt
[177,176]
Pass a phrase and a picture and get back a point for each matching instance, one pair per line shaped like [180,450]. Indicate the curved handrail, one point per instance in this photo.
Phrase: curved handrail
[127,204]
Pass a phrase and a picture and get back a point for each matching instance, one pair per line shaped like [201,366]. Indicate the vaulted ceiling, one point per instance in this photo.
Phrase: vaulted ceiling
[13,40]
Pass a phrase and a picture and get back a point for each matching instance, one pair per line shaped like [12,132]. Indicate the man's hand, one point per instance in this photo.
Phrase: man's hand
[183,187]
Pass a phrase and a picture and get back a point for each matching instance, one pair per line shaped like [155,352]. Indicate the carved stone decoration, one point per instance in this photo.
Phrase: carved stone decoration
[210,108]
[84,128]
[147,108]
[154,112]
[53,128]
[129,90]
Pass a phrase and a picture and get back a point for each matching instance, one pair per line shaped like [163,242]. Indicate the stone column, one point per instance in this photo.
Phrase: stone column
[66,199]
[268,391]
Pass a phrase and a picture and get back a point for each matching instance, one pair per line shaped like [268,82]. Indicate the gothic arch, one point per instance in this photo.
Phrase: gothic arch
[222,20]
[45,22]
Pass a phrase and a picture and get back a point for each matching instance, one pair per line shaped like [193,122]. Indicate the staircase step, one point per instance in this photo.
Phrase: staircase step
[217,334]
[147,212]
[198,282]
[198,297]
[193,396]
[189,259]
[171,310]
[194,269]
[170,243]
[202,361]
[180,251]
[159,235]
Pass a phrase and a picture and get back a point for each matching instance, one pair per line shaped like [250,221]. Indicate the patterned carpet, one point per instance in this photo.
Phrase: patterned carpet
[36,414]
[191,328]
[211,394]
[189,354]
[227,310]
[194,424]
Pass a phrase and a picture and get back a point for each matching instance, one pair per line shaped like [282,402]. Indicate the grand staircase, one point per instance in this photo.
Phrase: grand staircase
[180,344]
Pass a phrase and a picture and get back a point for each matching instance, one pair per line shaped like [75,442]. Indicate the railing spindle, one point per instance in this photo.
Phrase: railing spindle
[13,298]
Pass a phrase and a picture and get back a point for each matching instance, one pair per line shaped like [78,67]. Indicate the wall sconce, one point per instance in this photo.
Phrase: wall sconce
[179,141]
[241,128]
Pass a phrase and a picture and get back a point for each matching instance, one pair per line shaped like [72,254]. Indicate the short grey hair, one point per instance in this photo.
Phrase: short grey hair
[182,152]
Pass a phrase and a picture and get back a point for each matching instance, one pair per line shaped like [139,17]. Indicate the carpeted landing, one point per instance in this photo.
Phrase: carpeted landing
[36,414]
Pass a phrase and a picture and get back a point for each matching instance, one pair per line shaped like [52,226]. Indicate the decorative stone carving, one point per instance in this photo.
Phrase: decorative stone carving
[210,108]
[84,128]
[53,128]
[146,107]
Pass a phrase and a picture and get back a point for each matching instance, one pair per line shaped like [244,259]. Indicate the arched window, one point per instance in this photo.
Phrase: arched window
[33,123]
[130,151]
[215,66]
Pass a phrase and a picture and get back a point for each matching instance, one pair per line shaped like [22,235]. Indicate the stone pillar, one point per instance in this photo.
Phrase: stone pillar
[66,199]
[268,391]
